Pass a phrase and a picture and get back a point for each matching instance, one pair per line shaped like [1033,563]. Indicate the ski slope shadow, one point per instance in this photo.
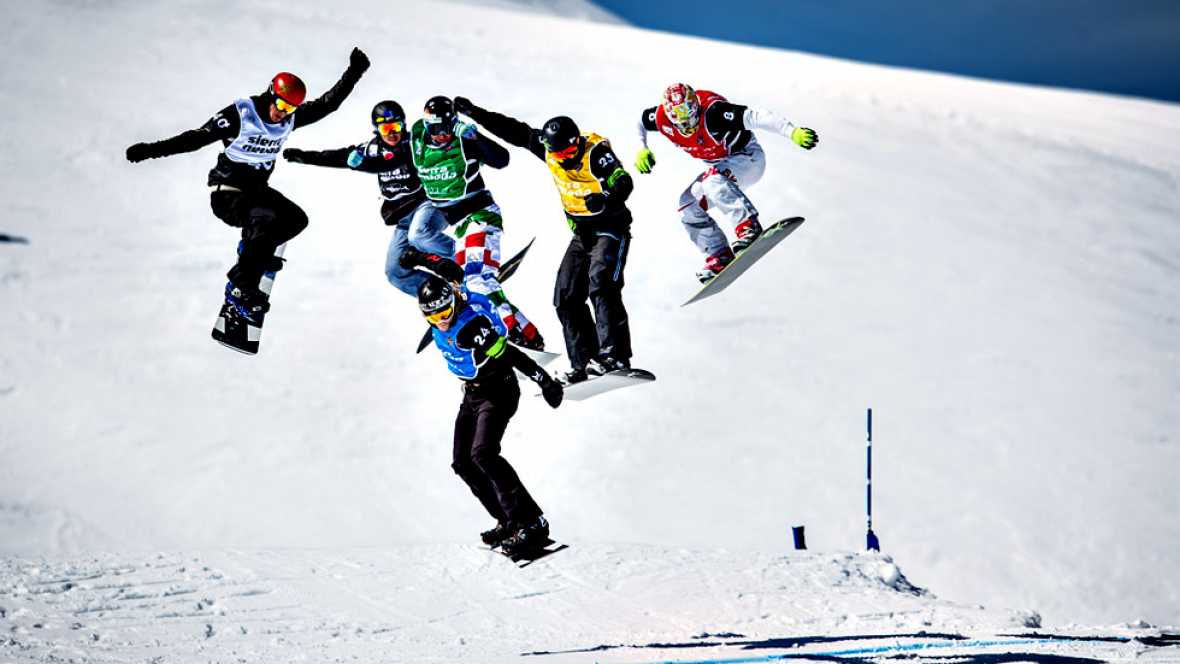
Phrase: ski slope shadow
[869,653]
[1161,641]
[787,642]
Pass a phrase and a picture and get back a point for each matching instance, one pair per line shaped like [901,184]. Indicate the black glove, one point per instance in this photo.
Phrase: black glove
[463,105]
[358,62]
[138,152]
[596,202]
[552,391]
[293,155]
[410,258]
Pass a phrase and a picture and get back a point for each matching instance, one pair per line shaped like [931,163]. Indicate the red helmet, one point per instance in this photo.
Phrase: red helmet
[288,87]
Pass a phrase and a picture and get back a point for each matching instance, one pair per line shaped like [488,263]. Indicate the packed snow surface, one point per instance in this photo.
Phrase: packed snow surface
[995,269]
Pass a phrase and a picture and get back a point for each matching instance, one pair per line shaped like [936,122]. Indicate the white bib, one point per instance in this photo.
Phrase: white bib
[258,143]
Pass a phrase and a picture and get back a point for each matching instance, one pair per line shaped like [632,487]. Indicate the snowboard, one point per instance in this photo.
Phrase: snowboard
[765,242]
[507,269]
[541,357]
[235,331]
[527,558]
[595,385]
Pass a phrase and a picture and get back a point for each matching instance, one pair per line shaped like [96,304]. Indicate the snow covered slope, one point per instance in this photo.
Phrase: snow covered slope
[447,604]
[993,268]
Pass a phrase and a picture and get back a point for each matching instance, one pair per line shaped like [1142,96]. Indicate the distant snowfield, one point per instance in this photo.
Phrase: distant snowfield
[995,269]
[570,9]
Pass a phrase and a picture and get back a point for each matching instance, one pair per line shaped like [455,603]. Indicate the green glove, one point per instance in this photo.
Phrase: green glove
[645,160]
[804,137]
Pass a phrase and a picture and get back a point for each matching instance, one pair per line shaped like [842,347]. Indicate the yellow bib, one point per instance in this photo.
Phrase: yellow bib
[574,184]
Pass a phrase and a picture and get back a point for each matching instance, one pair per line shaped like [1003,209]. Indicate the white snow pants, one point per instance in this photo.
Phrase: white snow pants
[716,194]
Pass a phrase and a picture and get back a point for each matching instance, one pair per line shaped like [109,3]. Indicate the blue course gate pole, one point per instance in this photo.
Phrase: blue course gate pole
[870,538]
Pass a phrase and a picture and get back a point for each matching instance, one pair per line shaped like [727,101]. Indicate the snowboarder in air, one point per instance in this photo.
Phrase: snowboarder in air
[594,187]
[252,131]
[469,333]
[448,155]
[415,219]
[706,126]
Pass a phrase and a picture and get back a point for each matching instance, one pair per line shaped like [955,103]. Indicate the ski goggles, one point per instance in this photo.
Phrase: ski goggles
[440,316]
[682,115]
[387,128]
[565,153]
[439,126]
[285,107]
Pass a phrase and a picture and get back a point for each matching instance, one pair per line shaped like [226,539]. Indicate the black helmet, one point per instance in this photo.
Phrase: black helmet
[437,300]
[388,111]
[559,134]
[439,116]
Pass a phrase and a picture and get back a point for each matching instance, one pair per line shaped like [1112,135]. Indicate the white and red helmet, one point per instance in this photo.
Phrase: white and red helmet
[682,106]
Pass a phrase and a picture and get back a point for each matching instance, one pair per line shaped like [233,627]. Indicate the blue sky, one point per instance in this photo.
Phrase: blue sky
[1129,47]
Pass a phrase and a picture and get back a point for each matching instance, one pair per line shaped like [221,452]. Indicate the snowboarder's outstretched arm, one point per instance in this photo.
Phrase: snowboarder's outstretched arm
[646,159]
[337,158]
[479,335]
[357,157]
[487,151]
[320,107]
[723,117]
[647,122]
[223,126]
[506,128]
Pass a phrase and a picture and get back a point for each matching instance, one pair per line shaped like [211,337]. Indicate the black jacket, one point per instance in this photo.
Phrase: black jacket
[225,125]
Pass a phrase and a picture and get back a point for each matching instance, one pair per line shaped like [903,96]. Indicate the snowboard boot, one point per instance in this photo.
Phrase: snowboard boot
[496,535]
[528,338]
[714,265]
[604,365]
[574,375]
[249,303]
[527,538]
[747,232]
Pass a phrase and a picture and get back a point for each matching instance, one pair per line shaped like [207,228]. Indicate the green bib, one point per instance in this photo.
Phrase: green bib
[443,171]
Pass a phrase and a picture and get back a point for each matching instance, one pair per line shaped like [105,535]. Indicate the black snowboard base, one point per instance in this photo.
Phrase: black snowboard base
[526,558]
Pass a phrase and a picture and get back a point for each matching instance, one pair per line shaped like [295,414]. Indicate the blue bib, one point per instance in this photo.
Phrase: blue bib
[461,361]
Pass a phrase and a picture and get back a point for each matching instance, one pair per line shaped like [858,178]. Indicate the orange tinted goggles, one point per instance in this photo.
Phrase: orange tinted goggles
[284,106]
[440,316]
[567,153]
[387,128]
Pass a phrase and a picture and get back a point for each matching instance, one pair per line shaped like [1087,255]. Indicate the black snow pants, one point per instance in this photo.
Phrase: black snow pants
[483,417]
[267,219]
[593,268]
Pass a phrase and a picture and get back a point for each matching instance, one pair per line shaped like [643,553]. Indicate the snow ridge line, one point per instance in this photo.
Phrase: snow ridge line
[977,643]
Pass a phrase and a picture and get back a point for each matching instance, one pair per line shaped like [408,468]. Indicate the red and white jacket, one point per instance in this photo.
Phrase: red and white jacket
[723,129]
